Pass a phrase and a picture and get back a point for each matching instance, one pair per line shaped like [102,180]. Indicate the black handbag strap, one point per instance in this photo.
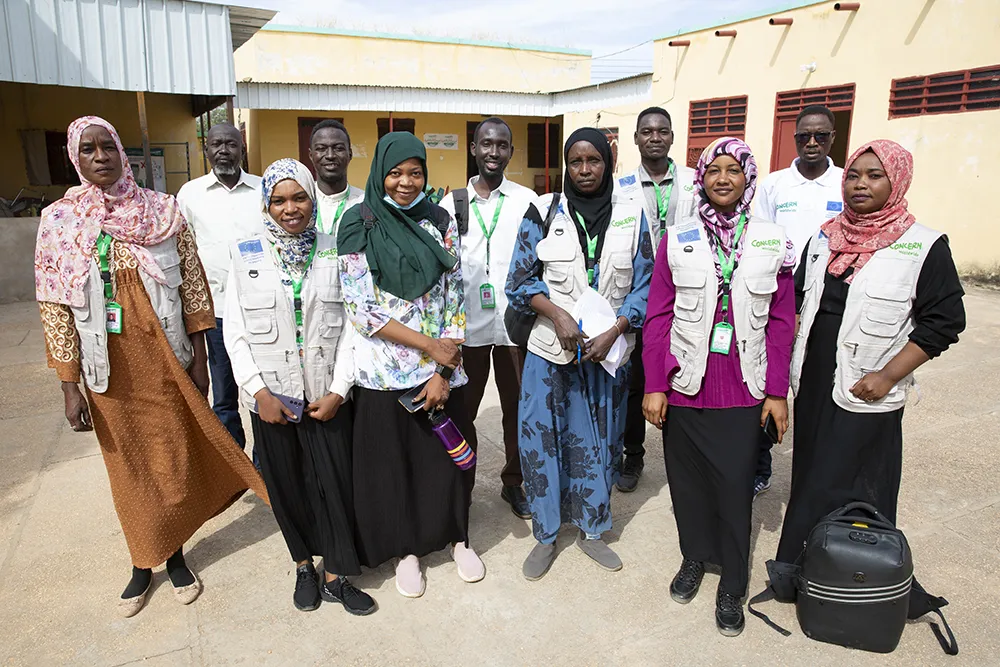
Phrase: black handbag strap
[460,198]
[766,595]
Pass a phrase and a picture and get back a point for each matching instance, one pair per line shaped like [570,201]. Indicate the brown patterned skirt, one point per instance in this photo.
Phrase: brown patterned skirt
[171,463]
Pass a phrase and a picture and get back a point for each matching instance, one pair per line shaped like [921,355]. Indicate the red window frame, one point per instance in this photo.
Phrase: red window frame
[945,92]
[713,118]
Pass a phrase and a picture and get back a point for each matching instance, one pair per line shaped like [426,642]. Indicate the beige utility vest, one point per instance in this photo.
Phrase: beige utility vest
[753,284]
[165,299]
[565,269]
[269,316]
[878,316]
[630,187]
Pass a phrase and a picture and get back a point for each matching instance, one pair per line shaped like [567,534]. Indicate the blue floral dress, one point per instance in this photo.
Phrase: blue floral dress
[572,417]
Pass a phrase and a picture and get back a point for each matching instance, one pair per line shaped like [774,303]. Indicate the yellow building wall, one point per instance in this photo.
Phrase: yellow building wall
[53,108]
[276,136]
[305,57]
[885,40]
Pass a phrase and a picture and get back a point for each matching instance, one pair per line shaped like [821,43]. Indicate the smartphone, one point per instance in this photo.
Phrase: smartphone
[771,430]
[295,405]
[408,400]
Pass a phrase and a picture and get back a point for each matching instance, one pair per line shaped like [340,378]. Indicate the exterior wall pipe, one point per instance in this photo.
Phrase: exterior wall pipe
[725,33]
[846,6]
[679,42]
[785,21]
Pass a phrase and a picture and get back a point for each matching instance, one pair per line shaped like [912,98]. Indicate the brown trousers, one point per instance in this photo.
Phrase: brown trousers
[507,364]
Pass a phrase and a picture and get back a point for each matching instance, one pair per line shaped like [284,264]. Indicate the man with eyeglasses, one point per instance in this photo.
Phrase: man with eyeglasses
[800,199]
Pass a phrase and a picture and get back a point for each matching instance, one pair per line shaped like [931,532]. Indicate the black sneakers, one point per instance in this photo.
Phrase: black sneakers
[728,614]
[343,591]
[760,485]
[514,495]
[306,597]
[687,580]
[631,472]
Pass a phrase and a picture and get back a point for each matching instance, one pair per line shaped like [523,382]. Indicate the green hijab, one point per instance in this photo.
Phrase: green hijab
[404,259]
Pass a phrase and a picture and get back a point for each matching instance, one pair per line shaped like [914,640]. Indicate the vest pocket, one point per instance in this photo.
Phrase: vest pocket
[259,316]
[862,360]
[96,368]
[621,264]
[761,289]
[885,310]
[689,295]
[170,264]
[320,370]
[558,277]
[332,312]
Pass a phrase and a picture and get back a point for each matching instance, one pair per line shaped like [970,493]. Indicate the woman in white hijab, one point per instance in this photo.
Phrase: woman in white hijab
[292,358]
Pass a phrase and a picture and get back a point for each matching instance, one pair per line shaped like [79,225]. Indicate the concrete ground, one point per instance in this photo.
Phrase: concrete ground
[63,559]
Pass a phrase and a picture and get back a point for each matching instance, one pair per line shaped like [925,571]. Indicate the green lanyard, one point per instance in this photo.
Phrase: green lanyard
[336,216]
[103,245]
[591,249]
[663,200]
[482,225]
[297,294]
[728,264]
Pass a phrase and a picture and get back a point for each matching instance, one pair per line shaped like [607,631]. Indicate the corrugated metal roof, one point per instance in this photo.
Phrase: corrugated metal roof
[327,97]
[163,46]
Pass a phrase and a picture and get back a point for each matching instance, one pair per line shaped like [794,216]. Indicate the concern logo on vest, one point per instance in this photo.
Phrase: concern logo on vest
[911,249]
[771,245]
[624,222]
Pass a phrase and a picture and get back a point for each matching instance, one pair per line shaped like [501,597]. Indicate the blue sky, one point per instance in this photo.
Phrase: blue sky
[602,26]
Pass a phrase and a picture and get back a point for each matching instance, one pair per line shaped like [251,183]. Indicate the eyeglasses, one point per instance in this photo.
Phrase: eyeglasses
[822,138]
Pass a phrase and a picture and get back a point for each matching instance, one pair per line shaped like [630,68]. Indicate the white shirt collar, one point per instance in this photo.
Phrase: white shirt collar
[243,180]
[822,180]
[335,197]
[504,187]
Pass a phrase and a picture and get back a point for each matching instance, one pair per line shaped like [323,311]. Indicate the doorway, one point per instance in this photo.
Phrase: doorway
[839,99]
[470,161]
[306,126]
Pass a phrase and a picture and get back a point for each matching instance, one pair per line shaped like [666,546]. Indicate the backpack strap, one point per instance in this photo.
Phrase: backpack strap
[922,602]
[461,199]
[551,214]
[367,216]
[442,220]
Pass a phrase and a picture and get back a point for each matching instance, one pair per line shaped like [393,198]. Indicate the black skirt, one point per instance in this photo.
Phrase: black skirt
[711,457]
[410,496]
[307,469]
[839,456]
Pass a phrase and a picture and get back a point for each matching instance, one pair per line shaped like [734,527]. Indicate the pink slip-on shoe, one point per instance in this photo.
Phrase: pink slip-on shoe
[470,566]
[409,580]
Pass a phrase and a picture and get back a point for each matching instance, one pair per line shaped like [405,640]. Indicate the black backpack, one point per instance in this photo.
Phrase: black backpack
[460,198]
[518,324]
[853,584]
[440,216]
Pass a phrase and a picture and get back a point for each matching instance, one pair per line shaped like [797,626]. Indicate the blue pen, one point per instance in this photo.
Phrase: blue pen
[579,323]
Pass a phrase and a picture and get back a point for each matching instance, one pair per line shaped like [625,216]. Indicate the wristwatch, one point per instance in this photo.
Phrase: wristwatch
[445,372]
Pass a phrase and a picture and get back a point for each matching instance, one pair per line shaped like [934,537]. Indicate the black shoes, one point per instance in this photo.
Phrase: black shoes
[306,597]
[355,601]
[631,472]
[687,580]
[514,495]
[728,614]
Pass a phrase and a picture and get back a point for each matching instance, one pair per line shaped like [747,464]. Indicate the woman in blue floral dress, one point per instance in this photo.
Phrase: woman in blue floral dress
[402,285]
[573,413]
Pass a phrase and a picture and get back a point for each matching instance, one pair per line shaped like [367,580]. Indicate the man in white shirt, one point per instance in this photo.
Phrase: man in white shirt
[222,207]
[330,154]
[800,199]
[489,213]
[666,191]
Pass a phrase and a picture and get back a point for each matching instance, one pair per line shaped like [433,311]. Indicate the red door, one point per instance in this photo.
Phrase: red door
[839,99]
[306,126]
[784,152]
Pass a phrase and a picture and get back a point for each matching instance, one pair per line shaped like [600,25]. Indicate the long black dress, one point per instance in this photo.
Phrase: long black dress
[843,456]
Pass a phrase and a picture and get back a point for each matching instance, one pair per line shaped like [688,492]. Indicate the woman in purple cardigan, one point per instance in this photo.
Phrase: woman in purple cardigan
[718,342]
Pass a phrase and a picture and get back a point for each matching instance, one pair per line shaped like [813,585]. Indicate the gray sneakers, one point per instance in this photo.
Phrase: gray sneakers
[538,561]
[599,552]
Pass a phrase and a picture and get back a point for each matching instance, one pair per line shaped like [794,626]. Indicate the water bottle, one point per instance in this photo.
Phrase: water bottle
[452,439]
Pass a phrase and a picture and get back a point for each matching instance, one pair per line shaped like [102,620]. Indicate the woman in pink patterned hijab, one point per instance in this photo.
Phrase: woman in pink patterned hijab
[70,227]
[858,232]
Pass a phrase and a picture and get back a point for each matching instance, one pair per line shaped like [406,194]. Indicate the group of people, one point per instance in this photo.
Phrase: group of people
[359,328]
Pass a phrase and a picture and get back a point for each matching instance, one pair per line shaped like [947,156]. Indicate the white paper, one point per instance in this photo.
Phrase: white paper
[598,316]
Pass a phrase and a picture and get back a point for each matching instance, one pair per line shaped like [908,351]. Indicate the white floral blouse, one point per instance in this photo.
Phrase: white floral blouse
[440,313]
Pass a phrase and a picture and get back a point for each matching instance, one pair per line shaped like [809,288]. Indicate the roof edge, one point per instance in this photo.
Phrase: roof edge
[780,7]
[418,38]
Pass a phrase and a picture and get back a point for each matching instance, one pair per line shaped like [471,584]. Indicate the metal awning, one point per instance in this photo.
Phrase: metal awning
[332,97]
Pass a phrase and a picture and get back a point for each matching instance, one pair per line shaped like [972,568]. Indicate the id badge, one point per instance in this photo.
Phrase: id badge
[487,297]
[722,338]
[113,318]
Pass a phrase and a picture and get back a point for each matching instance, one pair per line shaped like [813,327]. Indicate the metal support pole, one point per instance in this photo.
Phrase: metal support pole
[230,117]
[144,128]
[390,121]
[203,119]
[548,187]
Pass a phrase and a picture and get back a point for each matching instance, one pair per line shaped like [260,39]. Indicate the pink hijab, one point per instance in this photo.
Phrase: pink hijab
[69,228]
[854,237]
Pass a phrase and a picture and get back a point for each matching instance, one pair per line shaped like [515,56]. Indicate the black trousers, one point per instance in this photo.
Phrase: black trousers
[635,423]
[711,456]
[308,472]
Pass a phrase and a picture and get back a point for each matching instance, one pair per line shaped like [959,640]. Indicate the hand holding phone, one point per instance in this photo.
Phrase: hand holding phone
[278,409]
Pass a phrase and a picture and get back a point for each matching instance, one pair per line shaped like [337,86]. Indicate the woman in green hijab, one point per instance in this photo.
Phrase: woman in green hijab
[402,285]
